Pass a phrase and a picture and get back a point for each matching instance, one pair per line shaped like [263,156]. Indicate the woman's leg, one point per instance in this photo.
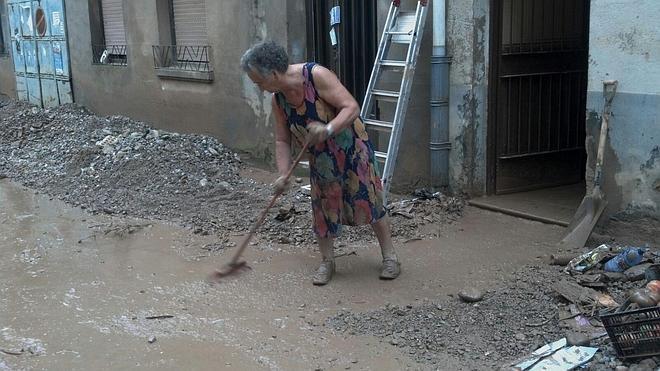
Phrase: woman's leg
[391,265]
[327,268]
[382,231]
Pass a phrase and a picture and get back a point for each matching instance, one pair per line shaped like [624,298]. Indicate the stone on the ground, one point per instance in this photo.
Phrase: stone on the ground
[574,338]
[471,295]
[637,272]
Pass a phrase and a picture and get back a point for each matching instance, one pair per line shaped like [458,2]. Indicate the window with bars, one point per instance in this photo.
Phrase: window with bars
[108,32]
[184,39]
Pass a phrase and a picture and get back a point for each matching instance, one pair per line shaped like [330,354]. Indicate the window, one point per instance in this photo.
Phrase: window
[108,32]
[184,51]
[189,22]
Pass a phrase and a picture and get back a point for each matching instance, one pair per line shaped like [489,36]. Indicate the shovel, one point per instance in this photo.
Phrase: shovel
[592,206]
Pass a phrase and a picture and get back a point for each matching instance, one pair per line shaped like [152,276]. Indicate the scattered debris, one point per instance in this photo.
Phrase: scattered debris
[557,357]
[162,316]
[12,352]
[590,259]
[625,259]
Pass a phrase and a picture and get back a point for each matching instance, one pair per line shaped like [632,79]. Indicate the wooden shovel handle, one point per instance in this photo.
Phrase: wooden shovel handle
[264,213]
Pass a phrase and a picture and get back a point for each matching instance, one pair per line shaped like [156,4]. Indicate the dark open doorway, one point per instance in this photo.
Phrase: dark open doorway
[352,57]
[536,125]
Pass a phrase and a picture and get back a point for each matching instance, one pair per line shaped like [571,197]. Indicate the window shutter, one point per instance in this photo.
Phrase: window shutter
[190,22]
[113,22]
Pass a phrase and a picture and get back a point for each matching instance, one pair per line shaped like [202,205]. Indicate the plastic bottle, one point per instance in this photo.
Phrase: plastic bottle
[626,259]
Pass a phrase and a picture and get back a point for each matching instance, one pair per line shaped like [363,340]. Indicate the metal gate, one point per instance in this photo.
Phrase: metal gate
[40,52]
[538,91]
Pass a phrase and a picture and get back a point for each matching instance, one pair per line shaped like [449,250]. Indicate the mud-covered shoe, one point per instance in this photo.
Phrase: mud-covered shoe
[324,273]
[391,269]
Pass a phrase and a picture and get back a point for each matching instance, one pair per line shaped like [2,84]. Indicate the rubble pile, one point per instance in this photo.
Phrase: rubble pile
[512,319]
[535,306]
[116,165]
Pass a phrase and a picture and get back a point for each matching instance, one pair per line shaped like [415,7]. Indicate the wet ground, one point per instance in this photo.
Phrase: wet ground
[78,290]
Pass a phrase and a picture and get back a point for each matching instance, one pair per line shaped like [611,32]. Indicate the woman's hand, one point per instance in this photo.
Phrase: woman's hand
[317,133]
[281,185]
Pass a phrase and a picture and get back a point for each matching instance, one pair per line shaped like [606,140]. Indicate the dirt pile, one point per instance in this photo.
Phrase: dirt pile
[534,306]
[116,165]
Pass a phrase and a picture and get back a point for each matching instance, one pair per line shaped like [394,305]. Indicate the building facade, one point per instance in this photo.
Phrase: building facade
[524,84]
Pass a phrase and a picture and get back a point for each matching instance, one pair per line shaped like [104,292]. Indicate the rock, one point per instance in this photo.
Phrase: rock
[614,276]
[637,272]
[520,336]
[152,339]
[621,368]
[471,295]
[203,182]
[649,362]
[578,339]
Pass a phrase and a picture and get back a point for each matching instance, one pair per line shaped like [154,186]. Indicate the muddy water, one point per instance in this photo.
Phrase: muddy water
[77,291]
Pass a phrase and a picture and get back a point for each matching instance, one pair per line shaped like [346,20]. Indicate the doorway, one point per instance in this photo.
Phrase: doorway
[40,51]
[350,52]
[536,126]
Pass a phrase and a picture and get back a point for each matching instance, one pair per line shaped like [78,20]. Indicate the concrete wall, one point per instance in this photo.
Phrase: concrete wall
[230,107]
[413,161]
[468,37]
[7,77]
[467,42]
[625,46]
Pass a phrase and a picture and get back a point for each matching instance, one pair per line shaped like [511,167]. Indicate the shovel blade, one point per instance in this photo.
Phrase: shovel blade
[585,219]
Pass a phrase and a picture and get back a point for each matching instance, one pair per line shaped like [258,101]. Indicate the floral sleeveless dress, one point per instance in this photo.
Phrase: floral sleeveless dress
[346,188]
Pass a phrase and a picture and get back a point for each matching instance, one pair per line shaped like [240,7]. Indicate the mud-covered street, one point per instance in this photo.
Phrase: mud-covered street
[83,305]
[109,228]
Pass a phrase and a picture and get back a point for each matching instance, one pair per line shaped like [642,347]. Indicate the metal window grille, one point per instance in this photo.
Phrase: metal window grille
[110,54]
[184,58]
[542,26]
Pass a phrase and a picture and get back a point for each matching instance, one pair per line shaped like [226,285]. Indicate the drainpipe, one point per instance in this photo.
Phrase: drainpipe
[439,144]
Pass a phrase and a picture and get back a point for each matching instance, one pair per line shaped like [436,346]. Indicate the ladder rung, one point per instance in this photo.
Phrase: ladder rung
[400,32]
[386,95]
[380,156]
[392,63]
[378,125]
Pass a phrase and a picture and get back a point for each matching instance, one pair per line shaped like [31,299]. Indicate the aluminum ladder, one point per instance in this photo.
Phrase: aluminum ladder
[402,28]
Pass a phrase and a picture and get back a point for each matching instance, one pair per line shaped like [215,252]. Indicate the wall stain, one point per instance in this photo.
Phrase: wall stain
[628,41]
[259,101]
[468,111]
[650,164]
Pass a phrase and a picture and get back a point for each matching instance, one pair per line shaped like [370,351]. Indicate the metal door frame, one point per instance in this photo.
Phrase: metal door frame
[495,42]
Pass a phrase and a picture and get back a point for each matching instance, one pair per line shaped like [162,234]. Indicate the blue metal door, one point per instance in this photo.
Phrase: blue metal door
[40,52]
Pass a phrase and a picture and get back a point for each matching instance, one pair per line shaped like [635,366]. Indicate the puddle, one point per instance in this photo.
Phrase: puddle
[87,292]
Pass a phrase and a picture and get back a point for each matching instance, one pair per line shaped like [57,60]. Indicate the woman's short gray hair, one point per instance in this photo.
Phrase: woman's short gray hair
[265,57]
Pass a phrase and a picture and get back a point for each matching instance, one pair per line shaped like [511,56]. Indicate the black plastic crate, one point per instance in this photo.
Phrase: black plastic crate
[634,333]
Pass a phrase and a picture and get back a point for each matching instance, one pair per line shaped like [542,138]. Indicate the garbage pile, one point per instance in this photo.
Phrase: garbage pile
[617,288]
[545,316]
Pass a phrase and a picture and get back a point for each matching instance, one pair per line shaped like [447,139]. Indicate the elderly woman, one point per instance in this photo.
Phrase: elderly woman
[312,104]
